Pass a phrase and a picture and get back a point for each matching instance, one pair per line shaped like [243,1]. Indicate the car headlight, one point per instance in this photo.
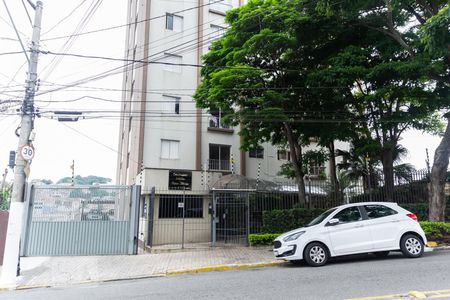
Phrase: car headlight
[293,237]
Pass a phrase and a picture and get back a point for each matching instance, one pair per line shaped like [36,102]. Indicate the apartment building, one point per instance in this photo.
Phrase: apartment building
[162,134]
[165,141]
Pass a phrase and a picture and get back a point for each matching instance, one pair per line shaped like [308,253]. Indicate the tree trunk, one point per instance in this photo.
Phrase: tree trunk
[332,165]
[388,171]
[438,176]
[296,159]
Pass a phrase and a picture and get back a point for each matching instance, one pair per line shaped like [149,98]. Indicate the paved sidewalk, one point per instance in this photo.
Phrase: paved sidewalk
[67,270]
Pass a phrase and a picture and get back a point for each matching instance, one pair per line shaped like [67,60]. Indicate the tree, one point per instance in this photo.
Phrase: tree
[88,180]
[260,74]
[421,28]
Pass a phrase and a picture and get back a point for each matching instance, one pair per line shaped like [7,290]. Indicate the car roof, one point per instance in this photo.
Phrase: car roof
[367,203]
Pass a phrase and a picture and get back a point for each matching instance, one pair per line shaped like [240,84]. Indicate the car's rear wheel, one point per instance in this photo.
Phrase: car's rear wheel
[381,253]
[316,254]
[411,246]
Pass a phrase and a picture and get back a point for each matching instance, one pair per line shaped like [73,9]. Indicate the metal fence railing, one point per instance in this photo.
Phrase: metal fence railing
[229,215]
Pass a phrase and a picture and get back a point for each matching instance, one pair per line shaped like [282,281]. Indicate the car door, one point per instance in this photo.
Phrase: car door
[384,226]
[350,235]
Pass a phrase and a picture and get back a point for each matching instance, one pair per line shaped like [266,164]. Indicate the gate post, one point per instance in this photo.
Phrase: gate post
[247,206]
[213,219]
[150,216]
[134,219]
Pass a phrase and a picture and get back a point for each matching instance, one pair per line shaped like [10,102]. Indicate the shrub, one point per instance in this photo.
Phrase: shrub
[262,239]
[435,230]
[288,219]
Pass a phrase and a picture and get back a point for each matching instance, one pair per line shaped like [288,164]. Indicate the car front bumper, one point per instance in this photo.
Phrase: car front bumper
[288,251]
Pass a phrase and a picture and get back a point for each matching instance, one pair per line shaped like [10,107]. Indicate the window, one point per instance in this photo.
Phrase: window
[256,153]
[171,105]
[215,119]
[217,32]
[173,206]
[284,155]
[173,63]
[169,149]
[316,169]
[348,215]
[219,157]
[378,211]
[174,22]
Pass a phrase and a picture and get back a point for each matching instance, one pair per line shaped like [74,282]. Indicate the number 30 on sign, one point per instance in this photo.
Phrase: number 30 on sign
[27,152]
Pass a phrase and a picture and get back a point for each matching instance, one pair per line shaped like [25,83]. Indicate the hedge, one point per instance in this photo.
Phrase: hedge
[288,219]
[435,231]
[262,239]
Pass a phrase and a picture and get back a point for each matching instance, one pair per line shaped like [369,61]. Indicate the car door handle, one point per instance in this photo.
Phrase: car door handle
[359,226]
[395,221]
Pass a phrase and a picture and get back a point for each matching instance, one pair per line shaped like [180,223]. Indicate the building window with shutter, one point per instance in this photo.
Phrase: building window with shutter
[174,22]
[169,149]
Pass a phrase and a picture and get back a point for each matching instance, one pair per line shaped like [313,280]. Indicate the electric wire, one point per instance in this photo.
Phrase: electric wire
[127,24]
[65,17]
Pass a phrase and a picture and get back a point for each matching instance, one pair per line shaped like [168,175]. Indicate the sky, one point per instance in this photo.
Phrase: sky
[92,143]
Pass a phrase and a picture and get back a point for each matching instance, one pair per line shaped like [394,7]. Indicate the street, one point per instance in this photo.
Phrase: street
[349,277]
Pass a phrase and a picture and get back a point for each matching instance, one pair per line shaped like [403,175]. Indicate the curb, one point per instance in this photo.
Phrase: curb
[212,268]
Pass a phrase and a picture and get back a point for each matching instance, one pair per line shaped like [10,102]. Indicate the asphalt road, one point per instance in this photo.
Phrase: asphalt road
[350,277]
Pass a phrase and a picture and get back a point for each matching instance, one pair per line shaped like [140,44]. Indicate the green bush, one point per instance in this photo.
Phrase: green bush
[435,230]
[262,239]
[288,219]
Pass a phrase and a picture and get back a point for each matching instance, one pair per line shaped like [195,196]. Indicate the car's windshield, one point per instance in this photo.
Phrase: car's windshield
[321,217]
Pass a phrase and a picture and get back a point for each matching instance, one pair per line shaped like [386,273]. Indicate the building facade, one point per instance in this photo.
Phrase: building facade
[165,141]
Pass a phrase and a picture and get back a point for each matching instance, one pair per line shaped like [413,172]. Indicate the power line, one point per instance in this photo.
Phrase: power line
[132,23]
[65,17]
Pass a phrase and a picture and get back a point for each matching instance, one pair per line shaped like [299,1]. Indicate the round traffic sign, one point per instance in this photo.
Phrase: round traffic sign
[27,152]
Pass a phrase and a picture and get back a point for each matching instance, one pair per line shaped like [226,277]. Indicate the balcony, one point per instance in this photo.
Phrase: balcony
[219,165]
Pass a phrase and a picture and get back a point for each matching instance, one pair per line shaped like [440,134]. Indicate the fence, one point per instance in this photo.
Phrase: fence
[227,215]
[81,220]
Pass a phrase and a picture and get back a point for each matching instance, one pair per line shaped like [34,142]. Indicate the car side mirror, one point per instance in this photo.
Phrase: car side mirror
[333,222]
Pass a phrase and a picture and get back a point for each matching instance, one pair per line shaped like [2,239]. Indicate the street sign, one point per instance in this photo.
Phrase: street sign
[27,152]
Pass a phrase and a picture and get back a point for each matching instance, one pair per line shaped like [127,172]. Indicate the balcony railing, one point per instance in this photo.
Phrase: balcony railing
[219,164]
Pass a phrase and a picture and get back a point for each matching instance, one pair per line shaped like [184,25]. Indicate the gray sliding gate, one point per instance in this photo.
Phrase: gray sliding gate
[81,220]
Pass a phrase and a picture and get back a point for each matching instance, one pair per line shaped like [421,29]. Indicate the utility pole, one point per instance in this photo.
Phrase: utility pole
[10,267]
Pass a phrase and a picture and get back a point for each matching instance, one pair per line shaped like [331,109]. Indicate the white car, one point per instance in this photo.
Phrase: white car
[368,227]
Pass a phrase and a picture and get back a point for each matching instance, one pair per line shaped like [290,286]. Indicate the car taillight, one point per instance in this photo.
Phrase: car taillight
[413,216]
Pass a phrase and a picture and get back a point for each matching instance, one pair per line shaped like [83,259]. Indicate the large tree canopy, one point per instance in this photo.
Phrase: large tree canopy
[289,70]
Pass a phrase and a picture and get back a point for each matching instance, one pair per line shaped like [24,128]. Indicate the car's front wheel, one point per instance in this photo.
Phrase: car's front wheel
[316,254]
[411,246]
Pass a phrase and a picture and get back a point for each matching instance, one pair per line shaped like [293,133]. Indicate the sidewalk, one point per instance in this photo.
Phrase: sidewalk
[68,270]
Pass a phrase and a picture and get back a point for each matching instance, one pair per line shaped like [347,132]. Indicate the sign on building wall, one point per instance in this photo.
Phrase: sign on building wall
[179,180]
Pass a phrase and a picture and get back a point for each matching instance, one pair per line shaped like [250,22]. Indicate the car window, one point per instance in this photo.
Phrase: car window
[378,211]
[348,215]
[321,217]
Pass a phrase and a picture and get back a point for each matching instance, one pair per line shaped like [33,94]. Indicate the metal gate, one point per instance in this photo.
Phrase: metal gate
[231,217]
[81,220]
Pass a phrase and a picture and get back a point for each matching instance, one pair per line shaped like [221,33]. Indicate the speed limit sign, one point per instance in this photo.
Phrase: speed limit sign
[27,152]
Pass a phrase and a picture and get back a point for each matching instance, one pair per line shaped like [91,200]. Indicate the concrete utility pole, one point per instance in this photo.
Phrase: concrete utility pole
[11,257]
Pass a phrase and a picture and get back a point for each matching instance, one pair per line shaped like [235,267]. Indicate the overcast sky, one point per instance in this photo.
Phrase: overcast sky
[91,143]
